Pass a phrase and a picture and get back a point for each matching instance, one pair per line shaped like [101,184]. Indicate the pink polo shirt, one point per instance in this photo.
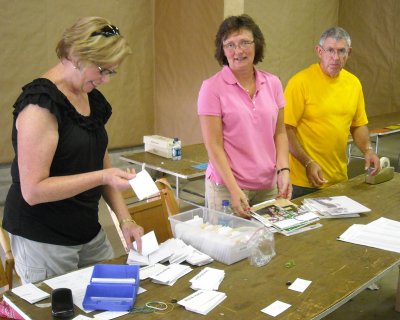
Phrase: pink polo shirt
[248,126]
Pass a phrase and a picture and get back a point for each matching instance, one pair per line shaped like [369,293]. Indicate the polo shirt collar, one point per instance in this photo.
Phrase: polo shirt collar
[230,78]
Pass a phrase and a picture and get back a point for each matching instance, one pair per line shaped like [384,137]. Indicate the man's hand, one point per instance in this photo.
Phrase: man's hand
[315,175]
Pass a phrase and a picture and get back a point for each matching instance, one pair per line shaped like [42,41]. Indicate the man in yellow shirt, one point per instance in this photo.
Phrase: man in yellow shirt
[324,104]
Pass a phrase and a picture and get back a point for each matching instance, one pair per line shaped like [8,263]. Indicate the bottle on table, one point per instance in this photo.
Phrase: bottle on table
[176,149]
[223,219]
[226,208]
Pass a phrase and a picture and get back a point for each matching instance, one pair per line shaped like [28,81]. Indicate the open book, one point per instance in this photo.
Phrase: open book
[334,207]
[283,216]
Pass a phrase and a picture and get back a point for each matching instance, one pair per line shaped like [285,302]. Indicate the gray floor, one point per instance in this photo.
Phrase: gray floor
[368,305]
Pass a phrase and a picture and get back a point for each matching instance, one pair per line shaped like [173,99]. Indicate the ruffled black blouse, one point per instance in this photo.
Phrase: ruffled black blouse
[81,148]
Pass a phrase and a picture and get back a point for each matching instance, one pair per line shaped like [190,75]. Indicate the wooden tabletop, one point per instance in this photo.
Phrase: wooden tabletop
[383,120]
[338,270]
[194,154]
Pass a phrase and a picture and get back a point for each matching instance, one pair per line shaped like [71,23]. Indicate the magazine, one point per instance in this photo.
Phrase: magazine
[283,216]
[334,207]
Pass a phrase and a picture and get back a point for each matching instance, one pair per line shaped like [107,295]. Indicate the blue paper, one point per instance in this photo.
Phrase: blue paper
[201,166]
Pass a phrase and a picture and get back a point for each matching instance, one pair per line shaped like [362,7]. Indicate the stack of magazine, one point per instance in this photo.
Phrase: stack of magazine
[334,207]
[283,216]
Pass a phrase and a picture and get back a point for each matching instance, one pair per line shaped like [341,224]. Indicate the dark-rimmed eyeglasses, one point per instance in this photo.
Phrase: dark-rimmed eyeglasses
[245,44]
[342,52]
[107,31]
[106,72]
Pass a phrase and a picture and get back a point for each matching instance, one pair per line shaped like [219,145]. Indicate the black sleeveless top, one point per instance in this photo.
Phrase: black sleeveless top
[81,148]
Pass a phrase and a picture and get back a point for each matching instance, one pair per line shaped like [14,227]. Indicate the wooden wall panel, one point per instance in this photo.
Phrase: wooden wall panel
[30,32]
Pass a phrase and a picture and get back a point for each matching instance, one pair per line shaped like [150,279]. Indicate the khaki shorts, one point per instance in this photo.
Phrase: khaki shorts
[215,193]
[36,261]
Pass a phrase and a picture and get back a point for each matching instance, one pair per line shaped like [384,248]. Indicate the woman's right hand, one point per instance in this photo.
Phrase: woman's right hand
[240,204]
[117,178]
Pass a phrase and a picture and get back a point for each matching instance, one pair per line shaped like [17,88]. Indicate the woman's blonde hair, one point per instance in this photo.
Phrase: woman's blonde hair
[88,41]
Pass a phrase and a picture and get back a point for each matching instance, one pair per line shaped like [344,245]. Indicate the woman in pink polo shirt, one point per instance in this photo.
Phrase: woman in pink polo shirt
[241,117]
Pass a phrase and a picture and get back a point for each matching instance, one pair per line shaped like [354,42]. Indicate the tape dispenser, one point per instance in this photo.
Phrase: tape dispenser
[385,174]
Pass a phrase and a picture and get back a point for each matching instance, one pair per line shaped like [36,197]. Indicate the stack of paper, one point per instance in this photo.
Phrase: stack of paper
[382,233]
[172,250]
[197,258]
[170,274]
[334,207]
[151,252]
[148,271]
[283,216]
[207,279]
[202,301]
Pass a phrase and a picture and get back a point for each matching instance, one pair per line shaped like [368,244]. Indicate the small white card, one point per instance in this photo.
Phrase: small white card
[148,271]
[207,279]
[149,243]
[30,293]
[300,285]
[171,274]
[202,301]
[276,308]
[143,185]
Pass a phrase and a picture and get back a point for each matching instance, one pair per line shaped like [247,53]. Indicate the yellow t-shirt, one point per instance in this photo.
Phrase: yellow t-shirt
[323,109]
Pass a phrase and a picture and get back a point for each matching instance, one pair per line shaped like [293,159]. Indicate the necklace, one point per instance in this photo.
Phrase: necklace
[249,89]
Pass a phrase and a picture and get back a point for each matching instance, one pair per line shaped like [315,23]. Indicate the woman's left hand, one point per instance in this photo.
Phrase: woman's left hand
[284,185]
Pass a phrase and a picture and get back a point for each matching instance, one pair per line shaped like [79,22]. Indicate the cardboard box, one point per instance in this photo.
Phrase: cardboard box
[159,141]
[112,287]
[159,145]
[202,229]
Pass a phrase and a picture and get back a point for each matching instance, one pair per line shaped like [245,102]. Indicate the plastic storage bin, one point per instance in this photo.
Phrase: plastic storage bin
[223,237]
[112,287]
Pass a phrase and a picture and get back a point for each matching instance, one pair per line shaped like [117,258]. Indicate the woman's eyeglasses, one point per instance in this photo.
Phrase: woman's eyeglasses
[106,72]
[107,31]
[244,44]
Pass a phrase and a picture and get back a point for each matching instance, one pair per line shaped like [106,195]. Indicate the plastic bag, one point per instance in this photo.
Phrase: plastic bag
[262,247]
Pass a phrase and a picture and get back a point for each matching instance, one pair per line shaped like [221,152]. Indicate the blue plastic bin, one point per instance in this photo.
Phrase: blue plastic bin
[112,287]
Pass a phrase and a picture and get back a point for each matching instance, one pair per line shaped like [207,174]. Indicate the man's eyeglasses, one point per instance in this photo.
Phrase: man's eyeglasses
[107,31]
[340,52]
[242,45]
[106,72]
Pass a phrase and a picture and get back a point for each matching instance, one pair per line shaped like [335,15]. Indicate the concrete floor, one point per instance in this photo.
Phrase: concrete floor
[368,305]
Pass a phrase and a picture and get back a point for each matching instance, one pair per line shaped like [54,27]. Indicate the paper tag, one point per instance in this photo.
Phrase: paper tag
[143,185]
[276,308]
[149,243]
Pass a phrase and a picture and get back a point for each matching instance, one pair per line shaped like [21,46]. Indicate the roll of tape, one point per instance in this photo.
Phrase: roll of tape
[385,162]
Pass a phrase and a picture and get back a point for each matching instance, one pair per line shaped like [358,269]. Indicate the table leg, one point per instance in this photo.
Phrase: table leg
[177,188]
[397,306]
[376,144]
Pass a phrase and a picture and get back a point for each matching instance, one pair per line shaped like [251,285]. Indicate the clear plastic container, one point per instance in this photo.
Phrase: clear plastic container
[201,229]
